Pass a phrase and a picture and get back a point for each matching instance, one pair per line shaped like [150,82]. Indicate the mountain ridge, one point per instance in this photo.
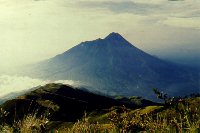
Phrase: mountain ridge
[63,102]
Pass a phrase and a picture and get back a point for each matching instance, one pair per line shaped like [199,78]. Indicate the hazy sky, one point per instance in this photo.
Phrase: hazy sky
[33,30]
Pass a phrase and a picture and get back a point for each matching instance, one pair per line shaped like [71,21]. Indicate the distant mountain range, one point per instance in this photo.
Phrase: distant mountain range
[115,67]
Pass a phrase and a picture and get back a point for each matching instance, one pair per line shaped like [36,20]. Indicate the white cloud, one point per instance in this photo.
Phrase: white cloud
[10,84]
[149,1]
[182,22]
[14,84]
[186,9]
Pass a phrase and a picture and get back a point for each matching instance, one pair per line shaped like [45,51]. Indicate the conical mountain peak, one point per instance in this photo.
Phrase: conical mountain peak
[114,36]
[114,66]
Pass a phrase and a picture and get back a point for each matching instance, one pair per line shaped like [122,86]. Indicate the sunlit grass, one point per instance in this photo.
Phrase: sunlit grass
[183,117]
[30,123]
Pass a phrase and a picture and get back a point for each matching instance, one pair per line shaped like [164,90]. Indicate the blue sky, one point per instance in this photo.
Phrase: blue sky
[34,30]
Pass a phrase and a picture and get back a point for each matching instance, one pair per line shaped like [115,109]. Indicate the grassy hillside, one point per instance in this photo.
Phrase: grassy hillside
[61,108]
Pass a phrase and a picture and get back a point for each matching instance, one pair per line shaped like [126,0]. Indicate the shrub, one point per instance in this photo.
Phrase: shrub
[30,123]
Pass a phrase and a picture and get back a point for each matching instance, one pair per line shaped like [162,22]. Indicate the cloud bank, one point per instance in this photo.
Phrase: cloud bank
[15,84]
[172,13]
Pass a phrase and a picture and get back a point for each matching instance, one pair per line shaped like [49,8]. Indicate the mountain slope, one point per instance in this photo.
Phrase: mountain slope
[63,102]
[60,108]
[114,66]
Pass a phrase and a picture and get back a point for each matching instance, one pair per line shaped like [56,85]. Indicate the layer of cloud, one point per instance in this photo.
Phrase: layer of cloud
[121,6]
[15,84]
[158,10]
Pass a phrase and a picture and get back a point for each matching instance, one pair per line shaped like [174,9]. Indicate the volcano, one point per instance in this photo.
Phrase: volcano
[114,66]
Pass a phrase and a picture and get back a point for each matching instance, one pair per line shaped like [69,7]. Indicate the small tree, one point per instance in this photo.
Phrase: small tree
[161,95]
